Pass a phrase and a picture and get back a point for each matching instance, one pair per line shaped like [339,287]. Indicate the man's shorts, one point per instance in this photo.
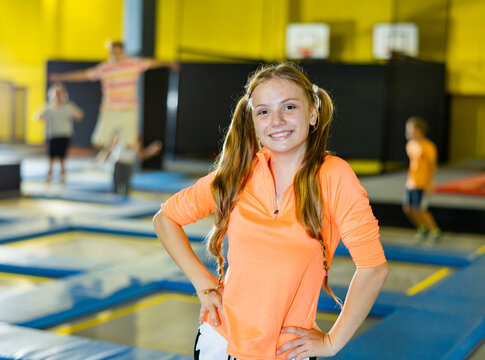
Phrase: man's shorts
[416,198]
[124,123]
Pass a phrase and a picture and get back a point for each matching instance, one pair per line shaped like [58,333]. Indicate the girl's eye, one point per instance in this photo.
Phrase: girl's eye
[290,107]
[262,112]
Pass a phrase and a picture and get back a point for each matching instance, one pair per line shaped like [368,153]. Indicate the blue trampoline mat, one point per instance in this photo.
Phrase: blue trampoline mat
[101,191]
[161,181]
[91,196]
[29,344]
[37,170]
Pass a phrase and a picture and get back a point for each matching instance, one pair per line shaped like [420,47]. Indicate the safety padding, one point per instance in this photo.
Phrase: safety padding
[36,169]
[386,302]
[29,344]
[10,179]
[413,254]
[80,294]
[471,185]
[35,227]
[125,227]
[446,321]
[462,293]
[84,196]
[415,334]
[161,181]
[19,261]
[105,225]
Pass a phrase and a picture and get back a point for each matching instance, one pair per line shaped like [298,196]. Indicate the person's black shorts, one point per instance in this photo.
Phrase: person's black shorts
[416,198]
[58,147]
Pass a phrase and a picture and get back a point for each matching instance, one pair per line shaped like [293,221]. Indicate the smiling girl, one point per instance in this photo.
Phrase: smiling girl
[285,203]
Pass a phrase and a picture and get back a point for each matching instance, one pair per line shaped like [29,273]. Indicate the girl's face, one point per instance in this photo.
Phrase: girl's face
[282,116]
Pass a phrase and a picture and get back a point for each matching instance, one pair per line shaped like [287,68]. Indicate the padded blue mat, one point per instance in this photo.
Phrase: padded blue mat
[412,334]
[85,195]
[161,181]
[28,344]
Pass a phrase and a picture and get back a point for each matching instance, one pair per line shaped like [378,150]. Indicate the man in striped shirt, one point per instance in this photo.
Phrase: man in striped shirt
[119,80]
[117,123]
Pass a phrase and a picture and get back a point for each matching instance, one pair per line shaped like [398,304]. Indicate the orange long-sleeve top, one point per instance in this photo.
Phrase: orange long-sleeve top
[275,270]
[422,163]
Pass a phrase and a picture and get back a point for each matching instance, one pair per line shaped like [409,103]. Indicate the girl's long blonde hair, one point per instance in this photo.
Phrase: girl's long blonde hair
[235,162]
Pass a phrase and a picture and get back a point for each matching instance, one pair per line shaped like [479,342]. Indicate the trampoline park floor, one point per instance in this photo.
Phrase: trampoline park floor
[161,321]
[166,320]
[91,245]
[17,283]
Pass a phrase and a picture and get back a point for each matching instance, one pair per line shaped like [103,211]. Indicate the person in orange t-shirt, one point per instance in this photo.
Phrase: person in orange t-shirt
[422,165]
[285,203]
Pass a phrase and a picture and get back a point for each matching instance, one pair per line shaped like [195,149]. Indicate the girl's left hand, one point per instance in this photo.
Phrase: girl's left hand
[309,343]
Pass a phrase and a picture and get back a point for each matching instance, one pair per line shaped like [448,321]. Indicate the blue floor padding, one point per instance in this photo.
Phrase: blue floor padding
[462,293]
[446,321]
[20,261]
[467,342]
[85,196]
[161,181]
[82,294]
[412,334]
[430,256]
[29,344]
[430,331]
[156,181]
[40,227]
[37,169]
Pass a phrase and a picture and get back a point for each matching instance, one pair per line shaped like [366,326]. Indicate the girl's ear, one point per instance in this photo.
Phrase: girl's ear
[313,116]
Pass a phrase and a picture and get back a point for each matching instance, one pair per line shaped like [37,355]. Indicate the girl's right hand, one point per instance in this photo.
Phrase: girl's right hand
[211,302]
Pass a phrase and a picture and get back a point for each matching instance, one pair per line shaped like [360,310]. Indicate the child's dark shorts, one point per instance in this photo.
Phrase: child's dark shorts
[58,147]
[416,198]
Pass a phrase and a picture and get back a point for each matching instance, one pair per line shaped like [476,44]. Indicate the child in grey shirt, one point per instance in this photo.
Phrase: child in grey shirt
[58,114]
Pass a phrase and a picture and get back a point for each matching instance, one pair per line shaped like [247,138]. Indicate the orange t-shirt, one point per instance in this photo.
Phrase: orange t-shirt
[422,162]
[275,270]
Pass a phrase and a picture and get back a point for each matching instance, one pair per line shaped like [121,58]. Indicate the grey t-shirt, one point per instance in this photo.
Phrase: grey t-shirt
[59,119]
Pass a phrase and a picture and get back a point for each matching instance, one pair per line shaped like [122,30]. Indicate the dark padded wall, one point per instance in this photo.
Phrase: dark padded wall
[86,95]
[358,93]
[372,103]
[152,92]
[208,94]
[416,88]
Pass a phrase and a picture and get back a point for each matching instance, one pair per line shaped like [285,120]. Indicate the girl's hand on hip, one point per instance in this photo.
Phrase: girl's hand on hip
[211,302]
[309,343]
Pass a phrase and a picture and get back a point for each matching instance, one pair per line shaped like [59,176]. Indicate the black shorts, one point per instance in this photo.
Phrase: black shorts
[208,347]
[58,147]
[416,198]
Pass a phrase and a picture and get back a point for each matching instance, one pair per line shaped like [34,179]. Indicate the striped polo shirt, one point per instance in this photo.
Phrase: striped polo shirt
[119,82]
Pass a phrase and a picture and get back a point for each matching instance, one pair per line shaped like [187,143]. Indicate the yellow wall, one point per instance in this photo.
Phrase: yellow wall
[350,23]
[466,79]
[213,29]
[21,50]
[466,44]
[85,27]
[32,31]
